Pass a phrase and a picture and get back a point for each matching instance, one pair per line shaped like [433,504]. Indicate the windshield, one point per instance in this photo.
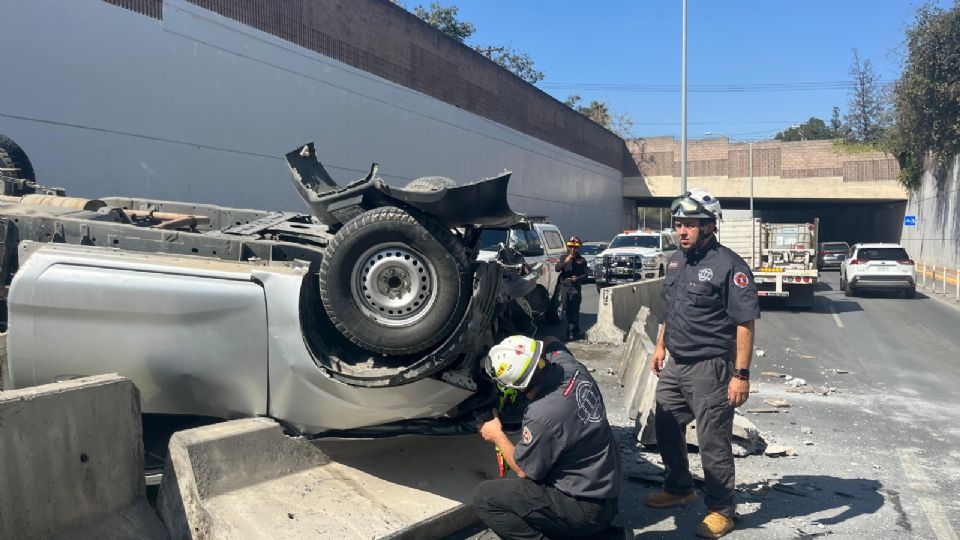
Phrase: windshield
[636,241]
[591,249]
[835,246]
[882,254]
[490,239]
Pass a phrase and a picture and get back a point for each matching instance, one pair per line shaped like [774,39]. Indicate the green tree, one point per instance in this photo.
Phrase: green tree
[813,129]
[865,110]
[836,124]
[927,96]
[599,112]
[444,18]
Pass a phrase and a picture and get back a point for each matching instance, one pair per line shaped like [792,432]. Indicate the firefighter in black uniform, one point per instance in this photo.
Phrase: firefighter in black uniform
[573,273]
[712,303]
[567,459]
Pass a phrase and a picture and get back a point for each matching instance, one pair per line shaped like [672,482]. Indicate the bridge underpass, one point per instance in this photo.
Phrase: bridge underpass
[856,196]
[840,221]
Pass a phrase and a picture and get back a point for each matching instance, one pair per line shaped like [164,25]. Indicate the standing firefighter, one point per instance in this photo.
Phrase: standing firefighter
[711,304]
[567,459]
[573,273]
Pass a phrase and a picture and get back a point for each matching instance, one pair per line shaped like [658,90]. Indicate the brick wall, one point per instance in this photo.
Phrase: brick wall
[660,156]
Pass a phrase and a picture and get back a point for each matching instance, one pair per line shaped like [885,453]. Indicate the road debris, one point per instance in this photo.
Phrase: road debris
[762,411]
[779,450]
[779,403]
[760,352]
[808,443]
[788,488]
[838,371]
[796,383]
[807,357]
[774,374]
[806,430]
[611,371]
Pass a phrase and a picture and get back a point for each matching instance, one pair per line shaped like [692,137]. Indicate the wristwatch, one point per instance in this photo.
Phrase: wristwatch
[742,374]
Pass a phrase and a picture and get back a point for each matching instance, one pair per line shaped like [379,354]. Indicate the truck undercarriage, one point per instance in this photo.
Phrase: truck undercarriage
[372,310]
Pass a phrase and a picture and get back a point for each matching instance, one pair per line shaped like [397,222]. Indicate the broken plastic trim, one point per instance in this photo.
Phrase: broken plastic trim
[482,203]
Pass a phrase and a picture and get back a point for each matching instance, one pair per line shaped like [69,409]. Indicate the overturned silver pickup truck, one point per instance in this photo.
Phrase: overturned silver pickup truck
[372,310]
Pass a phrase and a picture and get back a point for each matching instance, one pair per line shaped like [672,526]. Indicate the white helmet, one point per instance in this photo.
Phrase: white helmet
[697,203]
[514,360]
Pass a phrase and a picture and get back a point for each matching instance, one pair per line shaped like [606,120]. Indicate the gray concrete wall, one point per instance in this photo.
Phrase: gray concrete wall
[71,462]
[935,239]
[199,107]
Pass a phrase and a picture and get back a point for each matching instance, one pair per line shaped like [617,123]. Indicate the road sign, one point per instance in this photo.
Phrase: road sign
[910,221]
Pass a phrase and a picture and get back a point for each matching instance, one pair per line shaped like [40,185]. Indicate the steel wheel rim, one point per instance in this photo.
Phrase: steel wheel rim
[393,285]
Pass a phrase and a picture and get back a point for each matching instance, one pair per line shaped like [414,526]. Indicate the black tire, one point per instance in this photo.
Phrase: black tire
[910,293]
[660,273]
[843,284]
[13,157]
[554,312]
[430,183]
[521,317]
[848,291]
[368,281]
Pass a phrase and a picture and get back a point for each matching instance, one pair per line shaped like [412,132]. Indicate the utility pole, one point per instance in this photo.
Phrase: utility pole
[683,107]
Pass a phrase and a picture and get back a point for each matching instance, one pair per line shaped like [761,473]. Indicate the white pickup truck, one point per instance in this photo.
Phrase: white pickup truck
[632,256]
[542,246]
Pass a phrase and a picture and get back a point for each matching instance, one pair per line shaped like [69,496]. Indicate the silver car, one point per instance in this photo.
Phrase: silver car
[371,311]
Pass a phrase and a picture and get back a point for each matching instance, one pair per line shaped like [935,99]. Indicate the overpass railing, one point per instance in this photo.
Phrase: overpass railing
[939,280]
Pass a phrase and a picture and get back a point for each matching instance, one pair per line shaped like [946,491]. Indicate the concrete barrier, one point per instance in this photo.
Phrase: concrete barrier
[246,479]
[619,306]
[639,383]
[71,462]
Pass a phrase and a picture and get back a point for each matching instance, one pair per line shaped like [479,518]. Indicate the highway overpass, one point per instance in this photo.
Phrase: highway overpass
[854,192]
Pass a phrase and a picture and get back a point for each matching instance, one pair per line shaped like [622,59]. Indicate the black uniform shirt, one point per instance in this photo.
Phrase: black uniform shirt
[566,441]
[708,292]
[576,268]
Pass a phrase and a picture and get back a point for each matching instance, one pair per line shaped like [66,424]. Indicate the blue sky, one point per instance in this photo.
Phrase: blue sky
[730,42]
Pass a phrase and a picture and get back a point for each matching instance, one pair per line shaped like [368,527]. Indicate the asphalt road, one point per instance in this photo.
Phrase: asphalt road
[878,456]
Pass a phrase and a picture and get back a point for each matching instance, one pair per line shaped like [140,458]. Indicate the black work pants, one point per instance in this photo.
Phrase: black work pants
[522,508]
[697,390]
[570,296]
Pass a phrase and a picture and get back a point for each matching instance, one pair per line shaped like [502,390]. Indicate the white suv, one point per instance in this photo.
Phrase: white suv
[634,255]
[878,266]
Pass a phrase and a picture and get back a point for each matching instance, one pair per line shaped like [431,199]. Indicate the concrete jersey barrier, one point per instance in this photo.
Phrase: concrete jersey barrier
[71,462]
[619,306]
[246,479]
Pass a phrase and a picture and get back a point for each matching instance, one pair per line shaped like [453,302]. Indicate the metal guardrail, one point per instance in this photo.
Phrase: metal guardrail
[947,280]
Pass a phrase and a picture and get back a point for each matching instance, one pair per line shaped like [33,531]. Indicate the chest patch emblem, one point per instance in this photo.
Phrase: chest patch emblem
[740,280]
[705,274]
[674,265]
[527,437]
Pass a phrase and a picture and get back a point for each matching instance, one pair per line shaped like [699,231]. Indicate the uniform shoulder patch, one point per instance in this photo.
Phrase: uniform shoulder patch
[527,436]
[740,280]
[673,264]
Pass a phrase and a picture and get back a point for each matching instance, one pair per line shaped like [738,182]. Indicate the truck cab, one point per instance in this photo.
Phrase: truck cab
[634,255]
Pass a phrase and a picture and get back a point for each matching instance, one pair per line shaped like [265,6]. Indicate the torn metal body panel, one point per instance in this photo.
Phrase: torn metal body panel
[482,203]
[225,312]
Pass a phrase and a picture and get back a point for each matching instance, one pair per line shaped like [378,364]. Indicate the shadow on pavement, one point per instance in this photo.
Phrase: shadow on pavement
[804,495]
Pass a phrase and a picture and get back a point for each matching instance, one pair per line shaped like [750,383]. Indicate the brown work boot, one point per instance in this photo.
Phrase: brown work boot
[714,525]
[662,499]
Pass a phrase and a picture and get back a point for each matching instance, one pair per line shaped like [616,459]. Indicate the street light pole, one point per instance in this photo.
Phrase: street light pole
[683,106]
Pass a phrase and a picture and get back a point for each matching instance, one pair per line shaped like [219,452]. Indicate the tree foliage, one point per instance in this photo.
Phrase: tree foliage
[865,109]
[813,129]
[927,96]
[599,112]
[444,18]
